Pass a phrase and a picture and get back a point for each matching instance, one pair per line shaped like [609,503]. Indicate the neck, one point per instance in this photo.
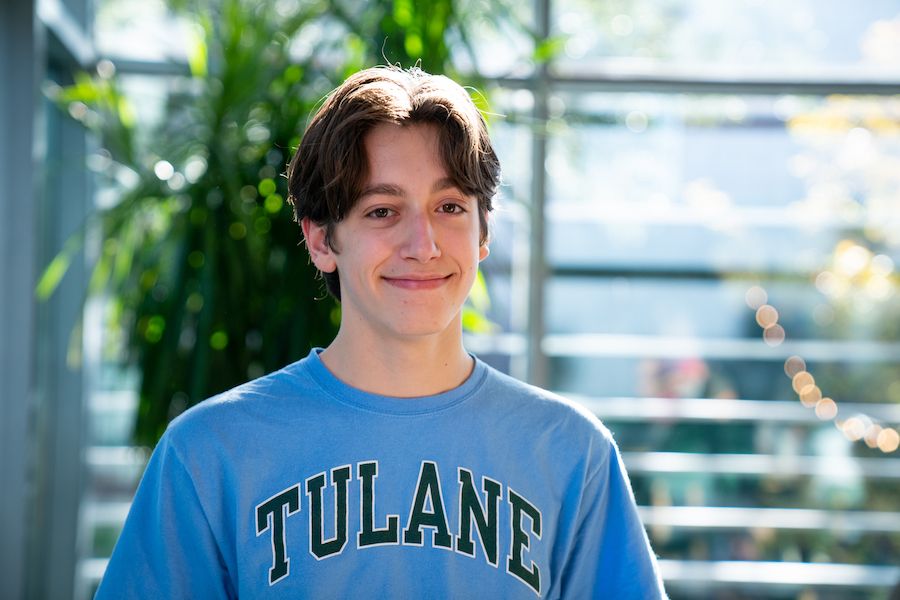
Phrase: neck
[400,367]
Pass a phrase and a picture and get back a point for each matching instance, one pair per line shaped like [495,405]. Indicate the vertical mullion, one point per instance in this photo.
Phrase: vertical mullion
[537,272]
[18,214]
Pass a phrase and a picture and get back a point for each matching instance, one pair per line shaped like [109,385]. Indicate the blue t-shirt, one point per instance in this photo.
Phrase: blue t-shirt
[297,485]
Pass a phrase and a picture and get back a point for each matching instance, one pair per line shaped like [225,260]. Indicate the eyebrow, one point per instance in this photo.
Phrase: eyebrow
[390,189]
[383,189]
[445,183]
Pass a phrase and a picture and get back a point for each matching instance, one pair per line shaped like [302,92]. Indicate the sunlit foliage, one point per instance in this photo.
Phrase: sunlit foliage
[207,281]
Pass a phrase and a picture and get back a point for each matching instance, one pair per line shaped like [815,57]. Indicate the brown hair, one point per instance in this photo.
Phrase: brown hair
[329,172]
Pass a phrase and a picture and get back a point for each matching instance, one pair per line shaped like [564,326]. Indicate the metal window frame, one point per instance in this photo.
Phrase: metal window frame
[614,76]
[17,266]
[40,395]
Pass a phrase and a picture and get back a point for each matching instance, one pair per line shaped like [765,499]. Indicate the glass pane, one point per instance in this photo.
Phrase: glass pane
[725,184]
[728,33]
[493,38]
[139,30]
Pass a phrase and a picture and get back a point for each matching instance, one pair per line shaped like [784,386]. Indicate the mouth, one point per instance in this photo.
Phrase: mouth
[418,282]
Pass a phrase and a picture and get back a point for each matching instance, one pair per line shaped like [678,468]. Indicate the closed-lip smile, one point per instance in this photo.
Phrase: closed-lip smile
[417,282]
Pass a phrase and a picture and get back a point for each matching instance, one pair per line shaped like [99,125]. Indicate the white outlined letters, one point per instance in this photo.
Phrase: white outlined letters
[366,472]
[485,516]
[520,540]
[270,514]
[428,488]
[318,545]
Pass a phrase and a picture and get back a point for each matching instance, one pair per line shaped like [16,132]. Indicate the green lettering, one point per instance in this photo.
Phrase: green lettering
[521,541]
[318,546]
[369,536]
[429,487]
[485,516]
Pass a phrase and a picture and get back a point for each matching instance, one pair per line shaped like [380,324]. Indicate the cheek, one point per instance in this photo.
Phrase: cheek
[472,257]
[362,253]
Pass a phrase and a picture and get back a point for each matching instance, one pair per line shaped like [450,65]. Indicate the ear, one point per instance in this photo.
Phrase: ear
[321,253]
[484,221]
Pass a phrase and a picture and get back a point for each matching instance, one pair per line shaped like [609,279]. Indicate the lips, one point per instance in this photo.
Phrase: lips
[417,282]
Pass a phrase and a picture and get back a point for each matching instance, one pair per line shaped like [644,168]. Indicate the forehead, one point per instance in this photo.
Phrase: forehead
[388,143]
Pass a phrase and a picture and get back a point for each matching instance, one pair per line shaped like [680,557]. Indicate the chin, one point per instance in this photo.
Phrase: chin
[423,328]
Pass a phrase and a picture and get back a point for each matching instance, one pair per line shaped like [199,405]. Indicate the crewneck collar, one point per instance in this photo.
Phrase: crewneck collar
[389,405]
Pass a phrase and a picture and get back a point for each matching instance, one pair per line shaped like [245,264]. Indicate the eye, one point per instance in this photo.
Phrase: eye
[451,207]
[380,213]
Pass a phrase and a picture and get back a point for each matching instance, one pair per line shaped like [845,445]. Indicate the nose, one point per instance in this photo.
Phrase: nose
[420,241]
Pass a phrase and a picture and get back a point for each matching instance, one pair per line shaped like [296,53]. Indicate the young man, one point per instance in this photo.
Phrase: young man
[392,463]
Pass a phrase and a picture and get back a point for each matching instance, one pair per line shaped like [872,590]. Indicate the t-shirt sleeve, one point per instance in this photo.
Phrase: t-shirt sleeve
[611,555]
[167,548]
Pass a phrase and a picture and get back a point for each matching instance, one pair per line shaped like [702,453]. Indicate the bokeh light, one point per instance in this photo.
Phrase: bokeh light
[164,170]
[106,68]
[801,380]
[826,409]
[826,282]
[872,434]
[756,297]
[888,440]
[881,265]
[766,316]
[879,287]
[622,25]
[851,258]
[794,365]
[636,121]
[774,335]
[195,168]
[854,429]
[810,395]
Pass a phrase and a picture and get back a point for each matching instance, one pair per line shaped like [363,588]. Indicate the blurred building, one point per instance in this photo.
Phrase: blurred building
[44,198]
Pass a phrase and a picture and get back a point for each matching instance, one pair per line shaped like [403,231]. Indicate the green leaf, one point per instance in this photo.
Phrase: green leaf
[547,49]
[475,322]
[479,296]
[57,268]
[197,52]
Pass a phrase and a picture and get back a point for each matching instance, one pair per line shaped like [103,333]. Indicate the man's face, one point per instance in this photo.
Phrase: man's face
[408,251]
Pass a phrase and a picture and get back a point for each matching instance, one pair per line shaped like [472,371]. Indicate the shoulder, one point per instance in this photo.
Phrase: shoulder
[543,409]
[256,399]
